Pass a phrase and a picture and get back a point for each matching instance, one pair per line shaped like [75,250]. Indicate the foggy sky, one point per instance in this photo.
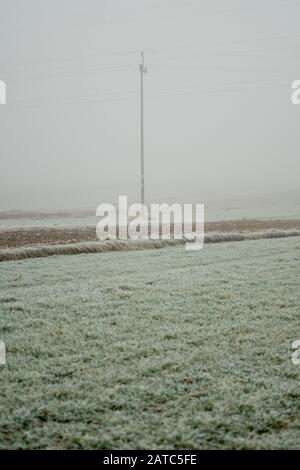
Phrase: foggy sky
[219,121]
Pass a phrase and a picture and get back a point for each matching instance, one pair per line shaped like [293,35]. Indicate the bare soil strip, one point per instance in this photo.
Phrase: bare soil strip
[17,238]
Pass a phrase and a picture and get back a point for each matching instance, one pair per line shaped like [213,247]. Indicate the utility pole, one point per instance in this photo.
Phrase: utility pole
[143,70]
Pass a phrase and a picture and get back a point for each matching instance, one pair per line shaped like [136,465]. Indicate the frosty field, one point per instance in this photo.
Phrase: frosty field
[152,349]
[217,211]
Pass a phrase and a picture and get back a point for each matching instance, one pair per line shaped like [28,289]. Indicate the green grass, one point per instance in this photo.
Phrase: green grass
[152,349]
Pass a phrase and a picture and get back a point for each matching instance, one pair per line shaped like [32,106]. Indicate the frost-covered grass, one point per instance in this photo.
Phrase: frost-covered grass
[152,349]
[226,210]
[43,251]
[47,222]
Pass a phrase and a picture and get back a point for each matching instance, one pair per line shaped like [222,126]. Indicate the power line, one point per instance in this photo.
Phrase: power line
[21,105]
[73,74]
[159,50]
[169,49]
[70,59]
[149,92]
[126,68]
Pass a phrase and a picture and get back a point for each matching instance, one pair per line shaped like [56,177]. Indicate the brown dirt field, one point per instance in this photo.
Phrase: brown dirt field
[54,236]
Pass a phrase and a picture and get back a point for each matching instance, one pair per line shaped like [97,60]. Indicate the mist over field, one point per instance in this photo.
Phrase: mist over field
[219,124]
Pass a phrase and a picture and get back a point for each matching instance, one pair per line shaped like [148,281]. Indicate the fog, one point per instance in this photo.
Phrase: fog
[219,122]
